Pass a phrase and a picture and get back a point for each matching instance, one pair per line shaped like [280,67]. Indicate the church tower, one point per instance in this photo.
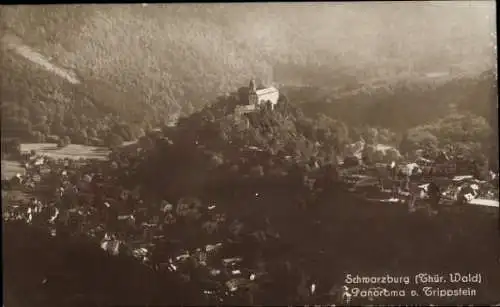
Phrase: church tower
[251,87]
[252,93]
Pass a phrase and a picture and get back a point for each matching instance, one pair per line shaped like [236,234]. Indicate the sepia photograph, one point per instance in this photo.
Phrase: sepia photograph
[250,154]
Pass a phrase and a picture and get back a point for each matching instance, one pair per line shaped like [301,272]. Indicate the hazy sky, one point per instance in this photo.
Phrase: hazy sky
[388,30]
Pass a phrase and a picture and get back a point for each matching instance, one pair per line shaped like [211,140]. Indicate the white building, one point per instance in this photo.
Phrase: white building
[261,96]
[258,97]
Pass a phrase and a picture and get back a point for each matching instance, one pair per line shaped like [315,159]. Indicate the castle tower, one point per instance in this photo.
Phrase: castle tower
[252,93]
[252,88]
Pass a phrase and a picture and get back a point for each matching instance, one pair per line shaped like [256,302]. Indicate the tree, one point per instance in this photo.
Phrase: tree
[16,127]
[351,161]
[385,136]
[11,146]
[418,138]
[80,137]
[38,137]
[460,128]
[128,132]
[370,135]
[216,160]
[71,122]
[113,140]
[368,154]
[40,120]
[64,141]
[391,154]
[58,128]
[23,113]
[52,139]
[43,128]
[378,156]
[189,207]
[187,108]
[91,132]
[257,171]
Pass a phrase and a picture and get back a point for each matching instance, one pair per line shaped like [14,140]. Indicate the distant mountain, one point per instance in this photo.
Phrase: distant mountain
[402,104]
[184,55]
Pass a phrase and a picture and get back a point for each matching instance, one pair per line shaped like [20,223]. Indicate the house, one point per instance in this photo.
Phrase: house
[353,153]
[37,178]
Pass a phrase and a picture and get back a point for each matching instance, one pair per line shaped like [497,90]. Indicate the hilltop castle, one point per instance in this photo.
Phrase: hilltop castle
[263,95]
[258,97]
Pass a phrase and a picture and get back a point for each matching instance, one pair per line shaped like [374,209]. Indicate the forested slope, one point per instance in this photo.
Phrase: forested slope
[404,105]
[148,65]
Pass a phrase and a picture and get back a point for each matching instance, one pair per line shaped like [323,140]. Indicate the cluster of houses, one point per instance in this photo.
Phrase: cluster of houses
[408,182]
[83,198]
[77,197]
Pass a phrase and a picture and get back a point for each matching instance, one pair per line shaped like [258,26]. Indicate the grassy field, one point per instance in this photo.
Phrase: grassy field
[72,151]
[75,152]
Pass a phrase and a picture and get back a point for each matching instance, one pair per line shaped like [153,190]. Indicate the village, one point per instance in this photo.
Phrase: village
[67,197]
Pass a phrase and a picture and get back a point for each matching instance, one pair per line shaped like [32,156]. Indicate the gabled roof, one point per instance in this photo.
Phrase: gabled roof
[266,91]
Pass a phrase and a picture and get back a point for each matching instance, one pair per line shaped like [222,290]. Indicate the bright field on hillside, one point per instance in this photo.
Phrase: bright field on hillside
[71,151]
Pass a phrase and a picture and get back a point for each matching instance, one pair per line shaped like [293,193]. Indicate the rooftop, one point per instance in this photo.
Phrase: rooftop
[266,90]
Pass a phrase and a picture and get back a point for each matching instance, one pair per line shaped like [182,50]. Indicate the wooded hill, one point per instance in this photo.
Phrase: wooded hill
[143,66]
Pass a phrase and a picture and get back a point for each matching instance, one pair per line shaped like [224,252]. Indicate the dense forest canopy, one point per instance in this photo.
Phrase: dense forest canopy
[403,105]
[155,49]
[144,66]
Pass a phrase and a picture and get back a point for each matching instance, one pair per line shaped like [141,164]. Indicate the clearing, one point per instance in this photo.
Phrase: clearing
[72,151]
[15,43]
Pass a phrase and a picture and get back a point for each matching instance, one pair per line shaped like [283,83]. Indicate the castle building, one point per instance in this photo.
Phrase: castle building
[260,96]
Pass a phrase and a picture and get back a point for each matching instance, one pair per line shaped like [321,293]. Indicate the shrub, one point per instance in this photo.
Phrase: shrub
[114,140]
[52,139]
[63,142]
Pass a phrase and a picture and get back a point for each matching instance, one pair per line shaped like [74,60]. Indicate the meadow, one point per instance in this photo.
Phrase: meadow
[72,151]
